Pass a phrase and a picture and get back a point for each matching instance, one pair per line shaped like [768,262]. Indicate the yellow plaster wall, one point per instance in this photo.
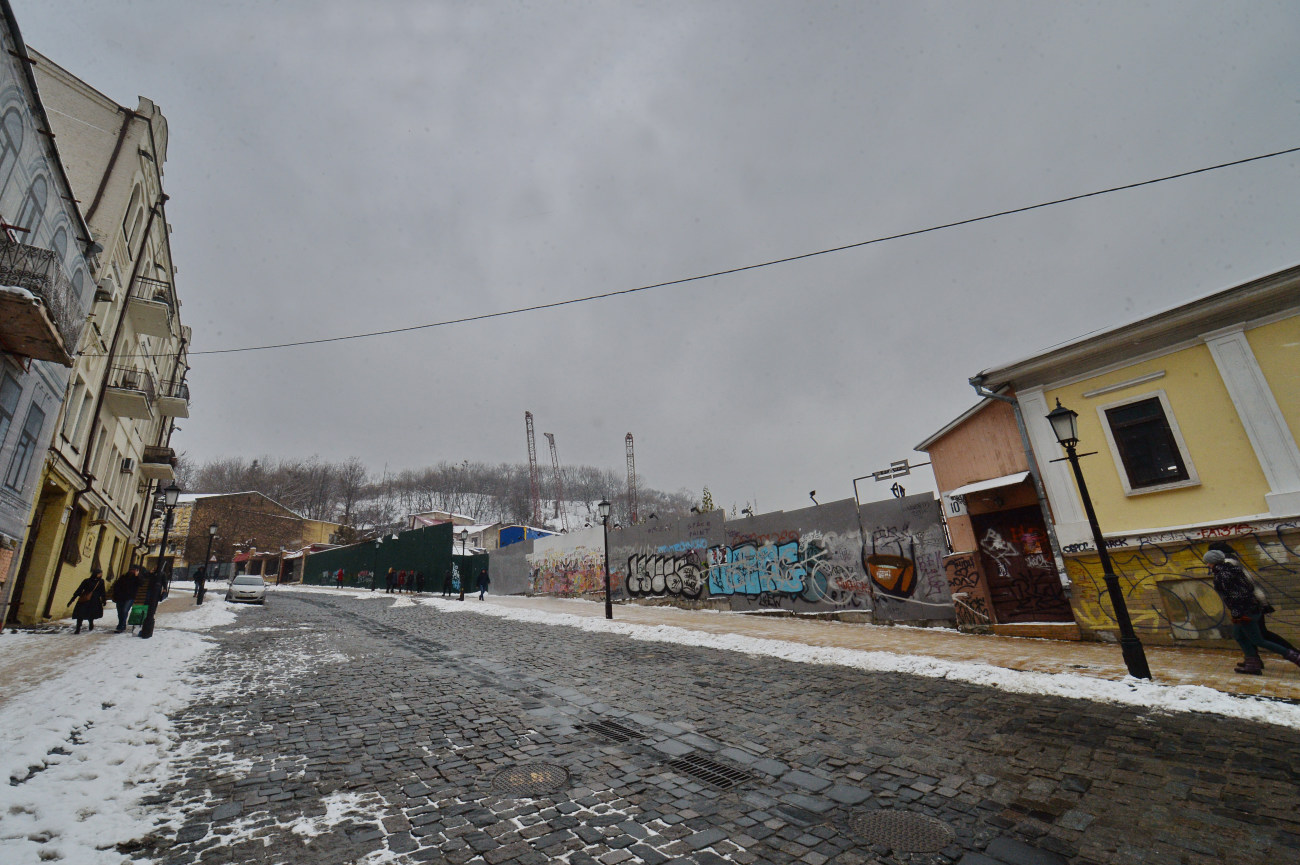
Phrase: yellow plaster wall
[1277,349]
[1168,589]
[1231,482]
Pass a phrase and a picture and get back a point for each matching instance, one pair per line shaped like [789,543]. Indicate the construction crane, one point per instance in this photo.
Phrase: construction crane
[562,515]
[534,488]
[631,481]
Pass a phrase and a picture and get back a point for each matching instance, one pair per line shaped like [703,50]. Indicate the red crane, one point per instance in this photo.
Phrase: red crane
[631,480]
[534,490]
[562,515]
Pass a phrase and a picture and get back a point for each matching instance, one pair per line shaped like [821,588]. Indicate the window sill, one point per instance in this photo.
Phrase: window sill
[1160,488]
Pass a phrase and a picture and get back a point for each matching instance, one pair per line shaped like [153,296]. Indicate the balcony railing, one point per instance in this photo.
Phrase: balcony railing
[174,399]
[40,272]
[158,463]
[129,378]
[130,393]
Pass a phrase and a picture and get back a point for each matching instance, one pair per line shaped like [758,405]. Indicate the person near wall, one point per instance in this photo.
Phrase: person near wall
[401,582]
[1266,607]
[200,584]
[89,599]
[446,582]
[338,578]
[419,583]
[1245,603]
[482,583]
[124,589]
[391,581]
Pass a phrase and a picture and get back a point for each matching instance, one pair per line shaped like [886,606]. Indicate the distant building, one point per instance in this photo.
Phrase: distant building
[47,258]
[255,534]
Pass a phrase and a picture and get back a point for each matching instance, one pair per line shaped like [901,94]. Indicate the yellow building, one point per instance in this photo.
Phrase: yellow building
[1191,414]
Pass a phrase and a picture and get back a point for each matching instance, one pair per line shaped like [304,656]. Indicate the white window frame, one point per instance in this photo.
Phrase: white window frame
[1193,479]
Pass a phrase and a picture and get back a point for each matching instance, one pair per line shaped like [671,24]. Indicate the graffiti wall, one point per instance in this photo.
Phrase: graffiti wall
[884,560]
[1167,587]
[572,564]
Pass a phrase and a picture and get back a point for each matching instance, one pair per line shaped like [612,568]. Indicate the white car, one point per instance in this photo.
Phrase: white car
[247,588]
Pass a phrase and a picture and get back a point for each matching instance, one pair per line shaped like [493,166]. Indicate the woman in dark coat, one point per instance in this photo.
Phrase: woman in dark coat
[1247,609]
[89,599]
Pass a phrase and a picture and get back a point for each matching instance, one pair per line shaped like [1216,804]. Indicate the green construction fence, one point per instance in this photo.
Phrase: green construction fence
[426,549]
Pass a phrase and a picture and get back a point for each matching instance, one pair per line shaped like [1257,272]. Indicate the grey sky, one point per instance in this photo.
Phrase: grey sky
[341,166]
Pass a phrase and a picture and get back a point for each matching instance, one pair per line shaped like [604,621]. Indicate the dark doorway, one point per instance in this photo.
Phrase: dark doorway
[1017,562]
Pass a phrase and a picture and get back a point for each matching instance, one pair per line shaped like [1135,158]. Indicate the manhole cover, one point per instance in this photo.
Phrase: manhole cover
[530,779]
[903,831]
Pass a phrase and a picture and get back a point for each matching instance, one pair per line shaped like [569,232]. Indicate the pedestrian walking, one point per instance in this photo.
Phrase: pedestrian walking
[1266,608]
[1245,602]
[124,591]
[446,583]
[482,583]
[89,599]
[200,584]
[401,582]
[338,578]
[392,579]
[419,583]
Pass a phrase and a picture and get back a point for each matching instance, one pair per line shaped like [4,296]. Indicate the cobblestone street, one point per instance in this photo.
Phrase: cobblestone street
[339,729]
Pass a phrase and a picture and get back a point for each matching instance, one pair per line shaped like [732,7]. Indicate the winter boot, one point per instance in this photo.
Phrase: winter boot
[1251,666]
[1293,656]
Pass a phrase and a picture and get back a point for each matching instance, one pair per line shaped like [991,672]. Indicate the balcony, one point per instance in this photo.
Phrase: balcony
[158,463]
[40,313]
[174,399]
[151,308]
[130,393]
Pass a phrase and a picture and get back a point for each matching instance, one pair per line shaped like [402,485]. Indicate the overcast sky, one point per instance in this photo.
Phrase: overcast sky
[338,166]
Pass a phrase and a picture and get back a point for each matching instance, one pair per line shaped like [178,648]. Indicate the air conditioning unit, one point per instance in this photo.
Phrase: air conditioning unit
[104,292]
[128,466]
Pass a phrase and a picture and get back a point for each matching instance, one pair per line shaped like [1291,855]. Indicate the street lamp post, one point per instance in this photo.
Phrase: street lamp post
[1065,427]
[604,521]
[158,581]
[464,539]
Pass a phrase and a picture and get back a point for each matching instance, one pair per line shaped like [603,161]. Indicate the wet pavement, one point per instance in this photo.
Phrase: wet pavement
[337,729]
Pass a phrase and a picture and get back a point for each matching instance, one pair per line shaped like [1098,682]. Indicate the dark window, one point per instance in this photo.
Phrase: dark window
[1146,444]
[22,460]
[10,390]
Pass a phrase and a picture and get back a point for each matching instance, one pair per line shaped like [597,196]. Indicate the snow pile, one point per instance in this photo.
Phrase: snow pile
[94,739]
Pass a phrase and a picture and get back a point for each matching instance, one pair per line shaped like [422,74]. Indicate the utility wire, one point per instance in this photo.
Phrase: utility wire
[743,268]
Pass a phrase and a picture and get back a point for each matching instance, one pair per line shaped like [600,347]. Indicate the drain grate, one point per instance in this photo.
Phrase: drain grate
[903,831]
[530,779]
[709,771]
[614,731]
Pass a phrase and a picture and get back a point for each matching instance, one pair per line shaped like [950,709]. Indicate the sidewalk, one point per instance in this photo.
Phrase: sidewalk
[1211,668]
[60,648]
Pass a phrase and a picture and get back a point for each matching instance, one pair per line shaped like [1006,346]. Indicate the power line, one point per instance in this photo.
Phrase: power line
[743,268]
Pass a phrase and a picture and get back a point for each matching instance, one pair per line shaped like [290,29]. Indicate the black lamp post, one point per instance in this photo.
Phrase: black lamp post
[604,521]
[464,539]
[158,580]
[207,557]
[1066,428]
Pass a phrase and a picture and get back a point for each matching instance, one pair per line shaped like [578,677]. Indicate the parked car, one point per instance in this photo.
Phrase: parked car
[247,588]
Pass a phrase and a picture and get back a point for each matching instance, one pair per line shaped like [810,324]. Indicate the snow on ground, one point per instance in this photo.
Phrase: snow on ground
[87,744]
[1129,691]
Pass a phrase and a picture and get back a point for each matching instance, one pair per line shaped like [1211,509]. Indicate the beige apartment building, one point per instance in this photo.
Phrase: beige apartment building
[111,449]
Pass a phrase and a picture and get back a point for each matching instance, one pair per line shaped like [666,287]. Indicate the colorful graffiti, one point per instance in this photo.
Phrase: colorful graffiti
[1166,585]
[570,572]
